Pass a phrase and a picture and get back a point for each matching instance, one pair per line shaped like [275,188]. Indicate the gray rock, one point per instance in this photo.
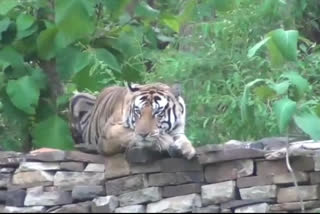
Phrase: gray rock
[88,192]
[162,179]
[257,208]
[316,159]
[126,184]
[178,204]
[142,155]
[289,194]
[34,166]
[35,198]
[32,179]
[259,192]
[302,163]
[47,156]
[146,195]
[83,207]
[240,203]
[131,209]
[271,167]
[230,154]
[4,179]
[137,168]
[35,209]
[95,167]
[209,148]
[189,177]
[208,209]
[15,197]
[10,159]
[7,170]
[72,166]
[105,204]
[218,193]
[294,206]
[116,166]
[67,180]
[228,170]
[179,165]
[3,196]
[184,189]
[84,157]
[254,181]
[287,178]
[315,177]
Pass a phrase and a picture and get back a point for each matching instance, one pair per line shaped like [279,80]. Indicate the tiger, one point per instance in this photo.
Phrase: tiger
[122,117]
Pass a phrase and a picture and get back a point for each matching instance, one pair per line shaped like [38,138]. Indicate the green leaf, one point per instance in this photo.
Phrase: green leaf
[225,5]
[24,33]
[9,55]
[264,92]
[71,60]
[24,21]
[295,79]
[24,94]
[172,22]
[6,6]
[280,88]
[46,43]
[245,98]
[257,46]
[74,20]
[107,58]
[115,8]
[144,10]
[275,55]
[39,78]
[188,11]
[4,24]
[286,42]
[284,110]
[309,123]
[53,133]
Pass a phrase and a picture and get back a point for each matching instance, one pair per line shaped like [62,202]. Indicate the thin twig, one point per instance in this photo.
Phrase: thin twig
[293,176]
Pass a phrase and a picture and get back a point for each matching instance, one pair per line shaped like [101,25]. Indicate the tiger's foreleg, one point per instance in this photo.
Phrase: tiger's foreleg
[175,145]
[115,139]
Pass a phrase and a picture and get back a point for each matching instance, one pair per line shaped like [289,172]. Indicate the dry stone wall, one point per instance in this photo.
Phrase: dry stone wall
[221,179]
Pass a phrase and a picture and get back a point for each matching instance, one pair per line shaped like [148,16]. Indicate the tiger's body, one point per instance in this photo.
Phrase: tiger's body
[119,118]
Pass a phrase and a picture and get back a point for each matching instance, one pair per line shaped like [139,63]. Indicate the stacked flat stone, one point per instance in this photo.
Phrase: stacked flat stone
[222,179]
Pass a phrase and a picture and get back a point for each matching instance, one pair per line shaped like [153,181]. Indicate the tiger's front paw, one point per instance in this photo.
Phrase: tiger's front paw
[185,147]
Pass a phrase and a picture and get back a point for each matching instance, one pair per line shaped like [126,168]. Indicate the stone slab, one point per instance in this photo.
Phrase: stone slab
[126,184]
[179,165]
[68,180]
[289,194]
[218,193]
[230,154]
[142,196]
[178,204]
[251,181]
[230,170]
[258,192]
[72,166]
[184,189]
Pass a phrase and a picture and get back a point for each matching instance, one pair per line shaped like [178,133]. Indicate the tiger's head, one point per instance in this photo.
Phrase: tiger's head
[154,109]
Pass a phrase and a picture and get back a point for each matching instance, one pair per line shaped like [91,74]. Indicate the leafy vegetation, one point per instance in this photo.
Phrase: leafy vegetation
[248,68]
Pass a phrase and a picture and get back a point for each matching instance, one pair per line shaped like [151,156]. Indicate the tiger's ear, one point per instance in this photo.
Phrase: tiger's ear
[176,89]
[133,87]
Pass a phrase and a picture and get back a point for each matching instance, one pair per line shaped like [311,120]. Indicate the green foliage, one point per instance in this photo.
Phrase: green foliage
[48,49]
[241,62]
[247,67]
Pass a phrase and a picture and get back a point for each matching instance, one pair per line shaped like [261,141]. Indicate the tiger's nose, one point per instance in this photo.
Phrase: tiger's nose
[144,135]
